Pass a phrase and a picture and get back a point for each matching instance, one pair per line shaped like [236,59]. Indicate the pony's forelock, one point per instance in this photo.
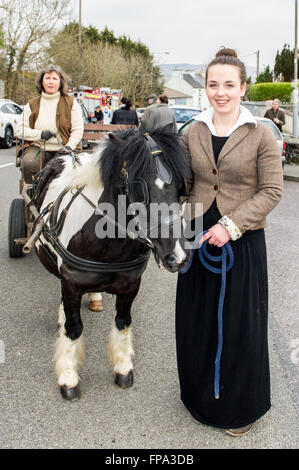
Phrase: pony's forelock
[134,152]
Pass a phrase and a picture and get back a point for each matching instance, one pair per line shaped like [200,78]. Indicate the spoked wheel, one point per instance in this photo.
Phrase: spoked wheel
[17,229]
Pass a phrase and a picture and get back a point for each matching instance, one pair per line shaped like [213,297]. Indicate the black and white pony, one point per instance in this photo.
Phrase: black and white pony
[131,167]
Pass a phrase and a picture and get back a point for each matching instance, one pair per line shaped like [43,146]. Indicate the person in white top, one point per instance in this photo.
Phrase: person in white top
[244,117]
[50,121]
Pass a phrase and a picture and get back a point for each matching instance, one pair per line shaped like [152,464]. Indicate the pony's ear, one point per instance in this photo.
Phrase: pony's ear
[114,139]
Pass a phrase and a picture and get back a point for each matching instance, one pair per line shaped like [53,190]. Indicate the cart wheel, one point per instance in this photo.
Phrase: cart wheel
[16,227]
[7,141]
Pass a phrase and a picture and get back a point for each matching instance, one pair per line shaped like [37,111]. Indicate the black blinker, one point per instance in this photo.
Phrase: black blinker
[163,172]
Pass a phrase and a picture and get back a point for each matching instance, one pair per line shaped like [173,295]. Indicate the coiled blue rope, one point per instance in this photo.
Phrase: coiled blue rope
[227,260]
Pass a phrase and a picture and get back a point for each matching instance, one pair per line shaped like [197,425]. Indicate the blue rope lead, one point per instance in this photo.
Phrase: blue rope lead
[204,256]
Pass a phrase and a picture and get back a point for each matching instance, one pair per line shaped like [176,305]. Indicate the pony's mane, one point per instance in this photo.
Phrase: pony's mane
[132,147]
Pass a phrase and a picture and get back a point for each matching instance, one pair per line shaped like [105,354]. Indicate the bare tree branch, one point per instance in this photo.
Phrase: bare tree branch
[28,27]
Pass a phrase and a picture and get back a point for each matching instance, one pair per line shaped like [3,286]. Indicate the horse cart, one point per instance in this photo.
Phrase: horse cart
[23,214]
[21,218]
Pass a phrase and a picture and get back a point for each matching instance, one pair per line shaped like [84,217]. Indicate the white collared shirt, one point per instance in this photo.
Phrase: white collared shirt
[207,118]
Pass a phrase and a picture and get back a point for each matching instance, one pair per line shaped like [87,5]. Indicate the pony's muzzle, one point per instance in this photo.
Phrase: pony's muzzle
[177,259]
[171,260]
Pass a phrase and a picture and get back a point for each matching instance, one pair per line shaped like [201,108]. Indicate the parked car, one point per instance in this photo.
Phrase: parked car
[267,122]
[183,113]
[278,136]
[10,114]
[140,110]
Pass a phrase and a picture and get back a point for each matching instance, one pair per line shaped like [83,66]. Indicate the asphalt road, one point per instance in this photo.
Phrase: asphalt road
[150,415]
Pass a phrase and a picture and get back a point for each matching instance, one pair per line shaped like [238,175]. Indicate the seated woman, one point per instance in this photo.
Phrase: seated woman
[50,120]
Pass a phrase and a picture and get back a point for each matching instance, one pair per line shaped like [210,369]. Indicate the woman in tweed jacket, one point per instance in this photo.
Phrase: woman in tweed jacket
[237,182]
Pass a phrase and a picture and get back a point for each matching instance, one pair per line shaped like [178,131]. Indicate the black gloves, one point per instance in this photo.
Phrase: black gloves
[46,135]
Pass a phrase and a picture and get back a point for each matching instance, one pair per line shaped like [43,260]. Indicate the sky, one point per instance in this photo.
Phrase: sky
[191,31]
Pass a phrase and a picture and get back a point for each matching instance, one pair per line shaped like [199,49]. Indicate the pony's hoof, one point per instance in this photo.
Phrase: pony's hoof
[70,394]
[96,305]
[124,381]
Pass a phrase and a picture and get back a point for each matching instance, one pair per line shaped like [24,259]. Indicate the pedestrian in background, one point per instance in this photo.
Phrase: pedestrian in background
[151,99]
[125,115]
[98,114]
[276,114]
[161,116]
[50,120]
[151,104]
[237,181]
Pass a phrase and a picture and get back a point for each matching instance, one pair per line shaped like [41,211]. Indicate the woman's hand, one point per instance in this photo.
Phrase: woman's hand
[217,235]
[46,135]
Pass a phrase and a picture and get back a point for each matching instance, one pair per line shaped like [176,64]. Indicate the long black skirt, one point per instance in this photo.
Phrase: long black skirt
[244,368]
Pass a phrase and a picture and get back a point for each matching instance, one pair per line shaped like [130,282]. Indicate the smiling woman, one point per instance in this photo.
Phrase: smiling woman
[225,85]
[51,120]
[238,178]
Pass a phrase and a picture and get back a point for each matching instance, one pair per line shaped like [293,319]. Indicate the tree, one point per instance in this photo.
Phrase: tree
[90,34]
[27,28]
[284,64]
[2,43]
[107,61]
[265,76]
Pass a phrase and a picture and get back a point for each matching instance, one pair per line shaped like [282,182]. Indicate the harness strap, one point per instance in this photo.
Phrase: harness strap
[56,226]
[227,254]
[52,231]
[94,266]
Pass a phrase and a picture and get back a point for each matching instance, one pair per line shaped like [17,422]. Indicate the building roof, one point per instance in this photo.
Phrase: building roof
[172,94]
[199,82]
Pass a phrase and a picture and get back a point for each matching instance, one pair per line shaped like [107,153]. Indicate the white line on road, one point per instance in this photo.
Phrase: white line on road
[6,164]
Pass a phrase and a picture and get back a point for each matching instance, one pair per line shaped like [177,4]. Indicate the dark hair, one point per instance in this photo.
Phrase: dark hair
[228,57]
[163,99]
[126,101]
[64,79]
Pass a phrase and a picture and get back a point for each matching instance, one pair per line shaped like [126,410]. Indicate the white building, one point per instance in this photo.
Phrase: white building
[190,83]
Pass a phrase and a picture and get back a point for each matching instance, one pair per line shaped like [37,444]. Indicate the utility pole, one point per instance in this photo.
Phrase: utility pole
[80,20]
[257,63]
[295,92]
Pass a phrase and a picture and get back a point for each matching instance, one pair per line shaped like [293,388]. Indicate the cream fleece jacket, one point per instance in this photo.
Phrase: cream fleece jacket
[46,121]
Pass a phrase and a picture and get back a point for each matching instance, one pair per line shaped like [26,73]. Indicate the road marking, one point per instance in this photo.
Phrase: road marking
[2,352]
[6,164]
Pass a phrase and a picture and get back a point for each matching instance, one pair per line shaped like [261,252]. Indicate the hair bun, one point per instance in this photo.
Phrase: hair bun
[229,52]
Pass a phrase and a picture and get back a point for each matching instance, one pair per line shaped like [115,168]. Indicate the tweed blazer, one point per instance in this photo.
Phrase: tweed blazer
[247,181]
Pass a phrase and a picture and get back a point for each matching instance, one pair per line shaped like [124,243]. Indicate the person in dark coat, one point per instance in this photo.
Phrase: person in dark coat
[98,114]
[222,354]
[276,114]
[125,115]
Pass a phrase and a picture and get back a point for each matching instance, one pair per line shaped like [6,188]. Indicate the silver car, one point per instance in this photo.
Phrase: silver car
[183,113]
[278,136]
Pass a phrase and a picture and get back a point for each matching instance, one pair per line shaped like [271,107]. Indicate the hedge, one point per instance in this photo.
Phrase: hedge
[269,91]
